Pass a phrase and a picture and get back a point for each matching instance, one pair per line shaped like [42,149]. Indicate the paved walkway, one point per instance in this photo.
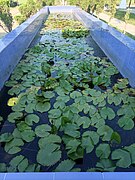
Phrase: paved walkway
[118,23]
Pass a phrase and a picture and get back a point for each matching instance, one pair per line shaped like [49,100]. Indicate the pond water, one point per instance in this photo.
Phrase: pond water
[66,107]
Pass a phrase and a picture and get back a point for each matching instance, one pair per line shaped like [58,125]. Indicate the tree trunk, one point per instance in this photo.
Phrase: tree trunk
[129,3]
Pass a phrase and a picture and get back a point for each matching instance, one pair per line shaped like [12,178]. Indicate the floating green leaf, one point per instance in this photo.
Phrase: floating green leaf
[43,107]
[42,130]
[72,130]
[12,101]
[131,150]
[106,132]
[107,113]
[49,155]
[65,166]
[103,151]
[105,165]
[6,137]
[3,167]
[28,135]
[50,139]
[123,158]
[54,113]
[19,163]
[126,123]
[13,146]
[29,119]
[48,94]
[12,117]
[89,140]
[75,94]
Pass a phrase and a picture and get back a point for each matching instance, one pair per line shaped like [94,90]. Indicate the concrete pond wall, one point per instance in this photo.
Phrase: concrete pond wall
[119,48]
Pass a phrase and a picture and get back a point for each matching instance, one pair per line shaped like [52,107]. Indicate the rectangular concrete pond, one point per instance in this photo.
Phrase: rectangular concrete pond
[64,106]
[119,48]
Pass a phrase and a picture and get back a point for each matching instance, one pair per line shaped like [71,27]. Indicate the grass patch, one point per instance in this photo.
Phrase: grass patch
[120,15]
[130,35]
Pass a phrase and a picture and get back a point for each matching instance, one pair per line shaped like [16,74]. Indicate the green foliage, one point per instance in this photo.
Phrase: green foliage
[78,33]
[30,7]
[123,158]
[6,18]
[112,8]
[27,9]
[49,155]
[65,166]
[13,3]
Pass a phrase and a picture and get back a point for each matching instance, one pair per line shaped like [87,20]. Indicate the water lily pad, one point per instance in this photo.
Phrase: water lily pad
[28,135]
[49,155]
[84,120]
[59,104]
[42,130]
[19,163]
[29,119]
[106,132]
[50,139]
[3,167]
[54,113]
[43,107]
[89,140]
[75,94]
[131,150]
[107,113]
[126,123]
[48,94]
[72,130]
[106,165]
[123,158]
[6,137]
[65,166]
[103,151]
[12,101]
[12,117]
[13,146]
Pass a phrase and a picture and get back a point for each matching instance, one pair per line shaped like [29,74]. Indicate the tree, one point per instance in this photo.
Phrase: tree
[6,18]
[99,6]
[112,8]
[30,8]
[126,18]
[129,3]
